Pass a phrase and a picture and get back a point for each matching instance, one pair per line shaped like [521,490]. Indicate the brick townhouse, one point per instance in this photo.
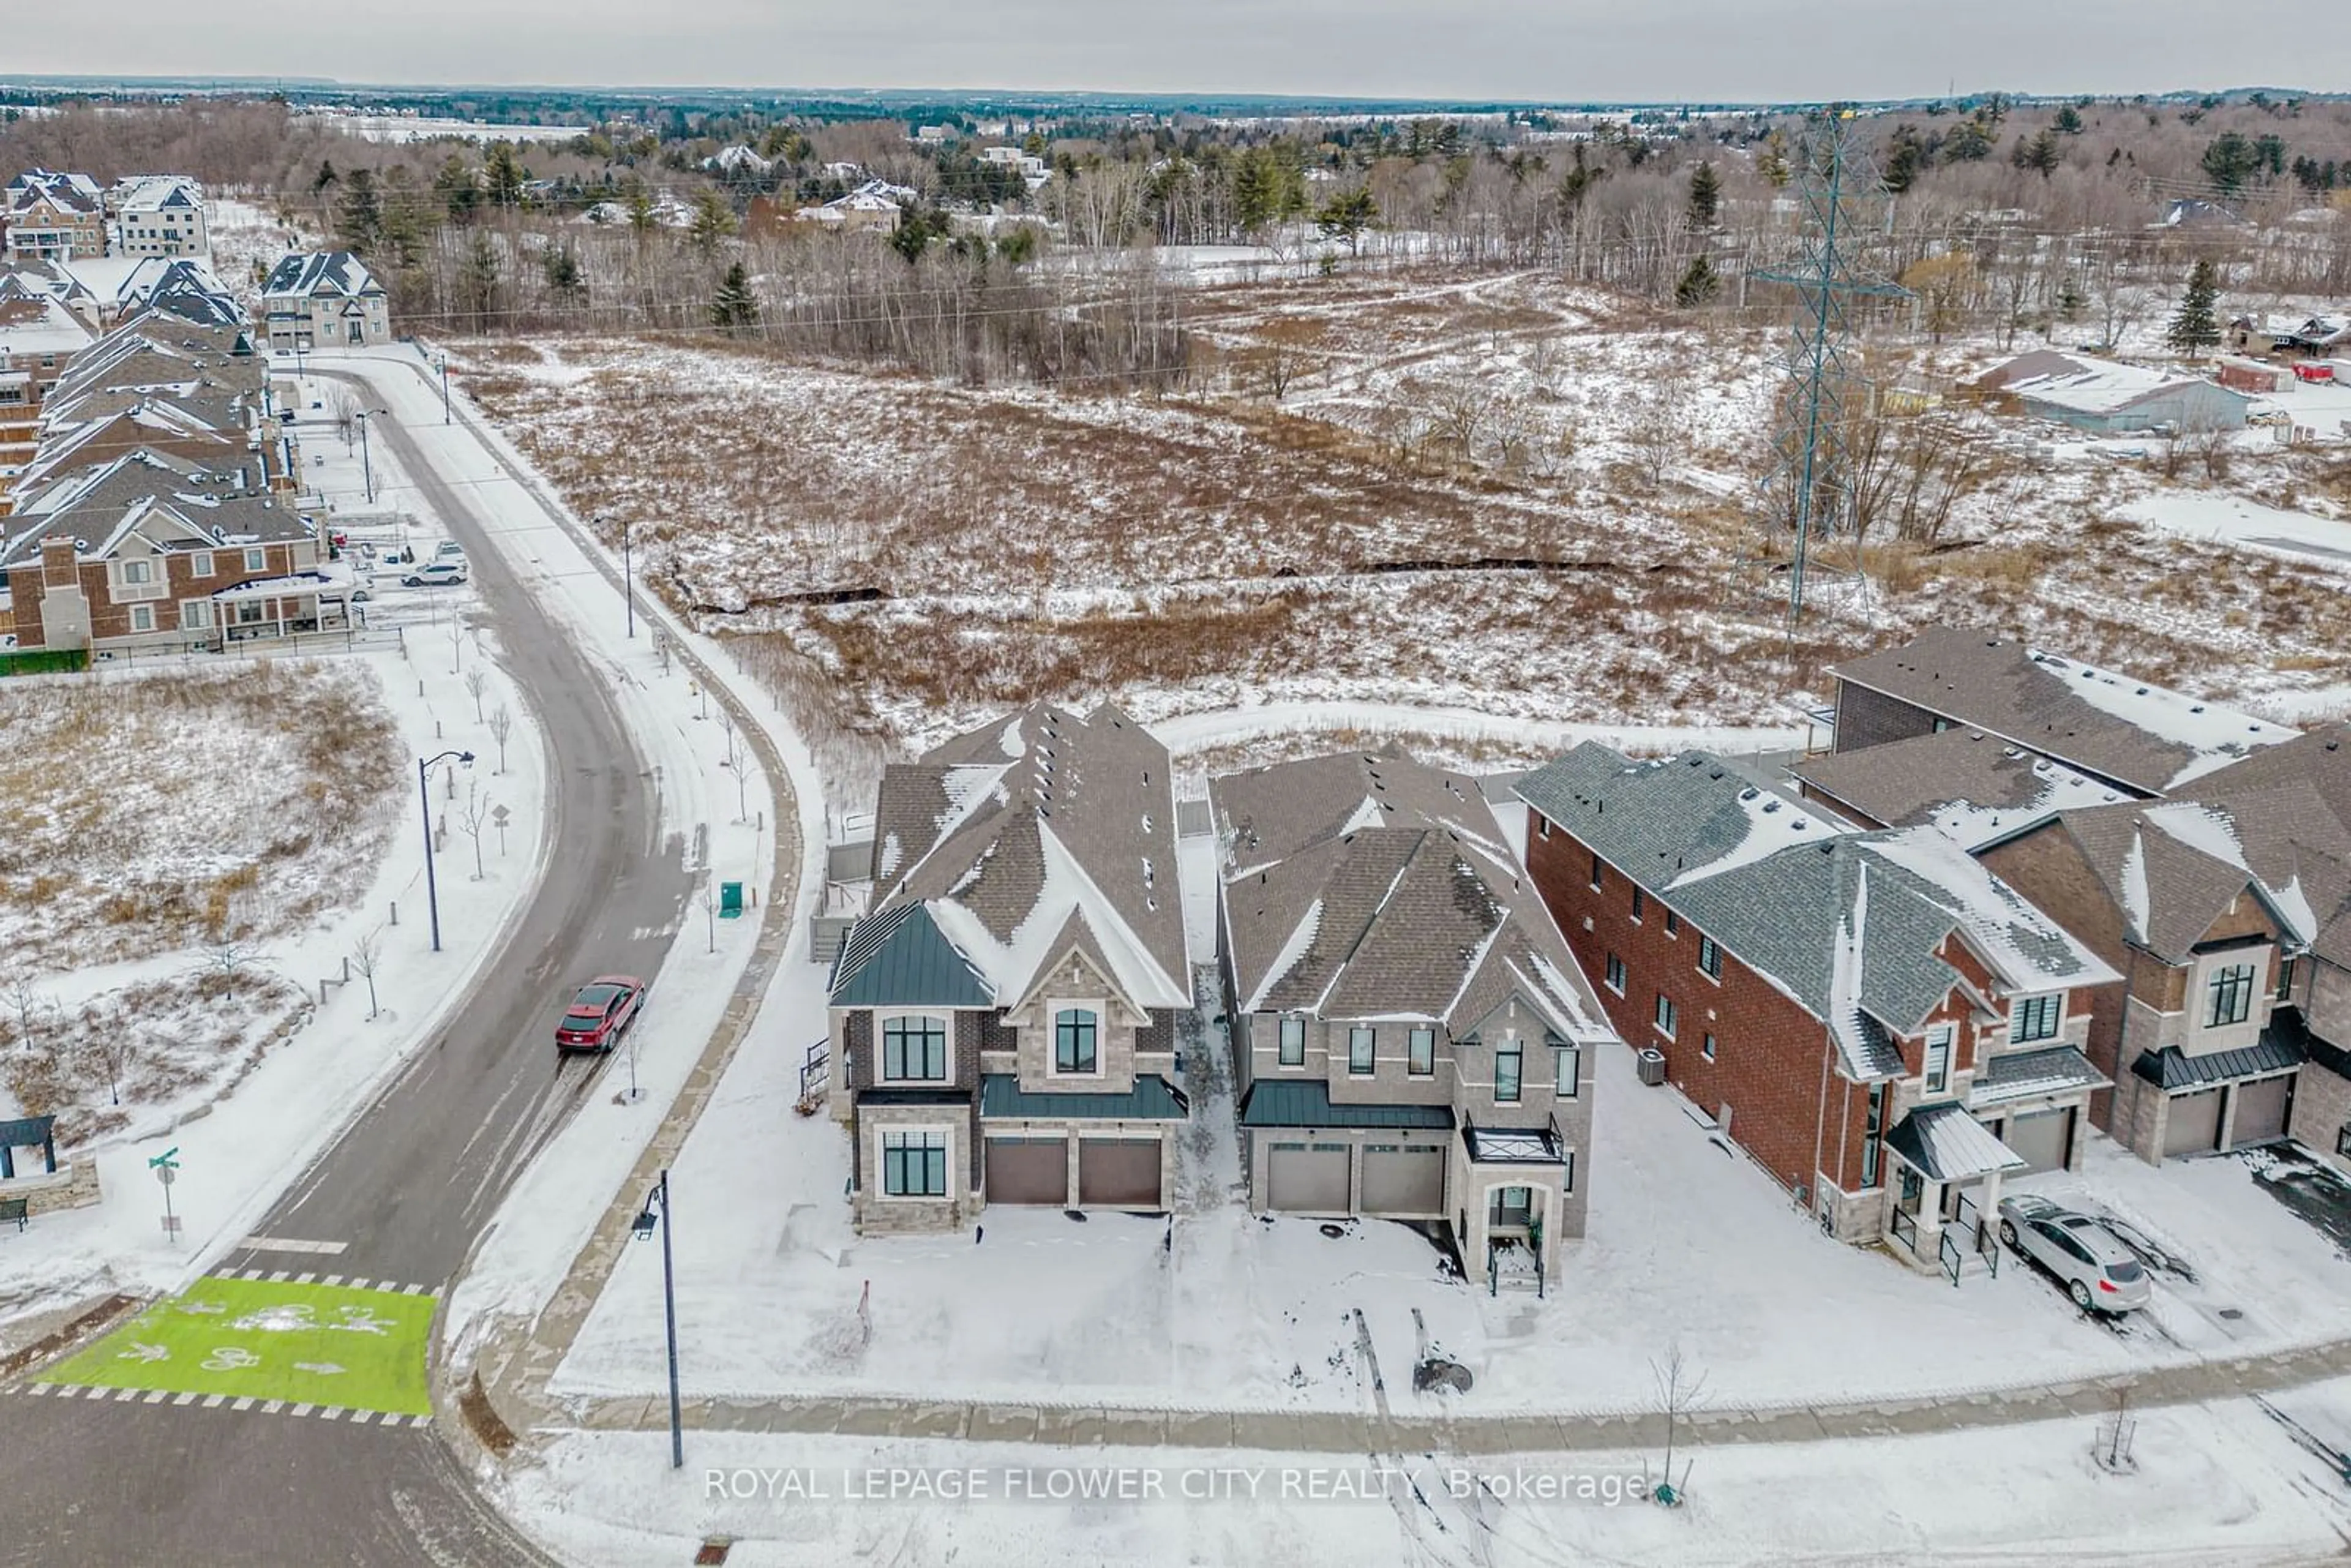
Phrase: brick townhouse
[150,549]
[1877,1021]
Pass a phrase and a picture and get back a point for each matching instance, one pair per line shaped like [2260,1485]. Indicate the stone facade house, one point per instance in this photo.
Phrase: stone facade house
[1411,1037]
[1004,1020]
[160,215]
[54,217]
[324,299]
[1886,1027]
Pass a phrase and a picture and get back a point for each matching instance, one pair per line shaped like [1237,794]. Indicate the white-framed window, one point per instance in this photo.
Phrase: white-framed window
[138,571]
[1543,826]
[1615,973]
[2228,996]
[1077,1041]
[196,614]
[248,612]
[1567,1072]
[143,617]
[1420,1054]
[2035,1017]
[915,1165]
[201,563]
[256,560]
[1710,959]
[1362,1041]
[1706,1048]
[913,1048]
[1507,1061]
[1670,1017]
[1939,1059]
[1294,1041]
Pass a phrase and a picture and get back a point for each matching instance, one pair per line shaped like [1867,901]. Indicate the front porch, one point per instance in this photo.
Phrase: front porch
[1512,1184]
[1948,1168]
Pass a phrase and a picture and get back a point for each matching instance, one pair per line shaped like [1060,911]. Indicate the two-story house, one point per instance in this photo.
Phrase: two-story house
[2213,910]
[1004,1020]
[52,216]
[324,299]
[1411,1038]
[39,338]
[160,215]
[1886,1026]
[149,549]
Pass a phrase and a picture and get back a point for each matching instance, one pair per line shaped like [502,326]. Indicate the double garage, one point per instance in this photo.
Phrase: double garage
[2192,1121]
[1307,1175]
[1113,1171]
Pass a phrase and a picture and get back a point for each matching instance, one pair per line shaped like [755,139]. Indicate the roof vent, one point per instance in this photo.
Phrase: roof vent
[2197,708]
[1771,806]
[1695,759]
[1714,773]
[2140,693]
[1797,824]
[1749,794]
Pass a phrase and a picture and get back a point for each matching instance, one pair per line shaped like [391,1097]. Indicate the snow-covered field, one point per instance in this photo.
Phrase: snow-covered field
[944,551]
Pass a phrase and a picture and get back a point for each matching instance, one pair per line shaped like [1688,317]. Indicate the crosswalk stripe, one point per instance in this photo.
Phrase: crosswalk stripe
[154,1396]
[183,1399]
[289,1244]
[41,1387]
[331,1412]
[242,1403]
[126,1395]
[303,1409]
[96,1393]
[273,1406]
[214,1401]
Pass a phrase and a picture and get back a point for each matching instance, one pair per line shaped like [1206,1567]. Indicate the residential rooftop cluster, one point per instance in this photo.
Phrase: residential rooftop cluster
[2019,902]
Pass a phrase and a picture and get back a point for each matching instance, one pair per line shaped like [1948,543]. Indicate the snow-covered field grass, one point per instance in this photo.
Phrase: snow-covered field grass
[944,551]
[172,807]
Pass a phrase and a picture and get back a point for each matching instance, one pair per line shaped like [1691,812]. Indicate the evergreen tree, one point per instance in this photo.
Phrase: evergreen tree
[560,264]
[360,222]
[325,177]
[2069,121]
[714,219]
[1905,159]
[459,188]
[2196,325]
[2041,154]
[1705,196]
[734,308]
[2229,160]
[1581,176]
[1699,284]
[1347,216]
[503,175]
[484,266]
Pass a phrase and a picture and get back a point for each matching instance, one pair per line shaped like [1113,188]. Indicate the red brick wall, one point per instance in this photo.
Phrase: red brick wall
[111,620]
[1769,1051]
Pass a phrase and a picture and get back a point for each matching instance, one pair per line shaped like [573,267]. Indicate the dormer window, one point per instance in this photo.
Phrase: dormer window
[2034,1017]
[1075,1035]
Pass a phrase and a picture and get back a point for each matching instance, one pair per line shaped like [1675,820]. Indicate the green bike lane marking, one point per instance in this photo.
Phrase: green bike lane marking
[332,1345]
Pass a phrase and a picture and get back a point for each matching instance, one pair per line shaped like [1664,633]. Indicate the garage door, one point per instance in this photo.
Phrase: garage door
[2261,1111]
[2042,1138]
[1119,1173]
[1403,1178]
[1307,1178]
[2195,1124]
[1029,1170]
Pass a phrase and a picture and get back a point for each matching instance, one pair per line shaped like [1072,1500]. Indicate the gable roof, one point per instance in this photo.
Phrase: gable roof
[2089,385]
[170,502]
[39,324]
[1969,783]
[1847,924]
[308,272]
[1371,885]
[1037,835]
[899,958]
[68,192]
[2106,724]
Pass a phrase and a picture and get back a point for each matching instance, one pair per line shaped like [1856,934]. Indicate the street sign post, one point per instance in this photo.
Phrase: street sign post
[500,816]
[165,1166]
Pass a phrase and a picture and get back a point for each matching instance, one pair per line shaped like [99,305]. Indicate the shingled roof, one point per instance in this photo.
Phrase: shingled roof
[1846,923]
[1371,885]
[1972,784]
[1033,836]
[2102,722]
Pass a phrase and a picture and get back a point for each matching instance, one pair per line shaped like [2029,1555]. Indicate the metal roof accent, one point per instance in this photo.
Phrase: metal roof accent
[899,957]
[2027,1075]
[1153,1099]
[1306,1103]
[1946,1144]
[1512,1146]
[2172,1070]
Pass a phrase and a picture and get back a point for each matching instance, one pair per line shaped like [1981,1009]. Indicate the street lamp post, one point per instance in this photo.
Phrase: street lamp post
[658,1198]
[367,468]
[628,575]
[445,389]
[424,765]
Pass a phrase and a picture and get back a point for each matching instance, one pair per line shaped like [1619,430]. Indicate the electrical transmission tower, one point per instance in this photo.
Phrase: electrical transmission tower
[1809,491]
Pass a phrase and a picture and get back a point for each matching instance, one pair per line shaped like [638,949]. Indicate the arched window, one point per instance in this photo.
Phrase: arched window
[914,1047]
[1074,1033]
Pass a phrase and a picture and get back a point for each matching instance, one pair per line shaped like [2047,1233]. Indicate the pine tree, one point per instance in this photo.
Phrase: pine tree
[503,174]
[714,219]
[1705,196]
[2196,326]
[2069,121]
[734,308]
[1699,286]
[1345,216]
[360,220]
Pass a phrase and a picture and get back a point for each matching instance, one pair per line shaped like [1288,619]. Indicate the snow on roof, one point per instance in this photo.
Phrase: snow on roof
[2204,829]
[2218,736]
[2062,789]
[1844,1019]
[2136,903]
[39,325]
[1773,823]
[1296,947]
[2023,946]
[1012,965]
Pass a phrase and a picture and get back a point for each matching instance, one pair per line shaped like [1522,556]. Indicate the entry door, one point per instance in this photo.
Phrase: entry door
[2262,1108]
[2194,1127]
[2042,1138]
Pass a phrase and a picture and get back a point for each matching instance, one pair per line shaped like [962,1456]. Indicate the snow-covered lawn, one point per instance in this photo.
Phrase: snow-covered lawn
[2209,1485]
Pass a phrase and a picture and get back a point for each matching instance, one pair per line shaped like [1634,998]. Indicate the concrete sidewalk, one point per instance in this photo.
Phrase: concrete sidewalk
[1367,1432]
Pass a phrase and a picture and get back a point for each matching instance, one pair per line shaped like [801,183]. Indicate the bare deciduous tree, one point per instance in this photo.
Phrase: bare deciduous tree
[109,1050]
[1662,425]
[1681,1388]
[26,1002]
[501,723]
[737,755]
[477,681]
[366,953]
[472,818]
[230,960]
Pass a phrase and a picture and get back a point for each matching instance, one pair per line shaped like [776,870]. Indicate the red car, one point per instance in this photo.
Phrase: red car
[601,1012]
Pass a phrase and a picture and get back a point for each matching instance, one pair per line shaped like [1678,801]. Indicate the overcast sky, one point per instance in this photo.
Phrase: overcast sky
[1543,50]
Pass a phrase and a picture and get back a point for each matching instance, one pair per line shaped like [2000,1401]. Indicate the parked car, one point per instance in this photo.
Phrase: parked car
[363,591]
[601,1013]
[2097,1270]
[435,574]
[448,550]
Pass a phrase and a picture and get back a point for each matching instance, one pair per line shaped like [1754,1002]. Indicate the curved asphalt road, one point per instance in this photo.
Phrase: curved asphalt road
[407,1188]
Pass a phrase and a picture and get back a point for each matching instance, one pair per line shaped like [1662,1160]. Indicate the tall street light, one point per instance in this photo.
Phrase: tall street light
[445,389]
[424,765]
[628,574]
[643,1225]
[367,468]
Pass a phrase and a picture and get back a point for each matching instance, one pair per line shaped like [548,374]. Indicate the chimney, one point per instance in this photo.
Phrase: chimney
[57,569]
